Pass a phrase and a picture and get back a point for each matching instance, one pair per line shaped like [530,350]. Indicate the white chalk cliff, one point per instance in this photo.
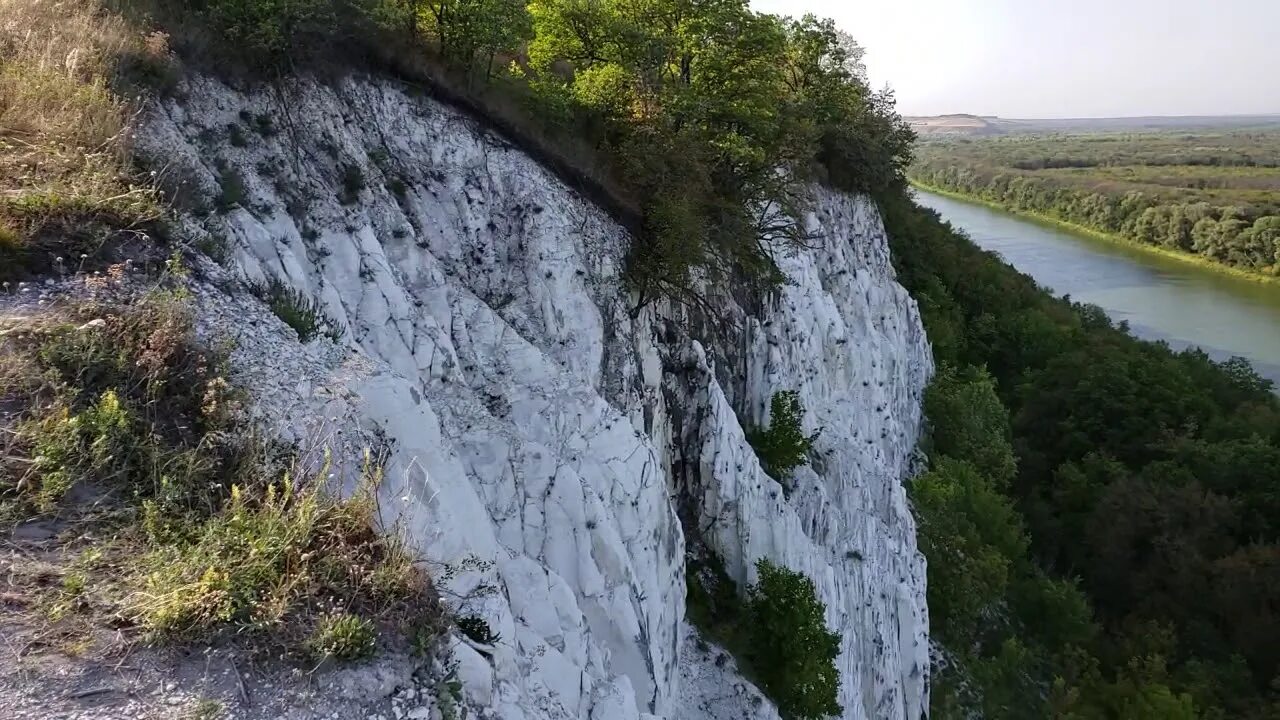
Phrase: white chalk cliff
[543,444]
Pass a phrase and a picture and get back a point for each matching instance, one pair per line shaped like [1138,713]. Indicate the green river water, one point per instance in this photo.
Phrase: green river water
[1161,298]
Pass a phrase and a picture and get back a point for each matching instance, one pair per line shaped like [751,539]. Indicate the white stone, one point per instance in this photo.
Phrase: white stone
[475,674]
[533,425]
[711,686]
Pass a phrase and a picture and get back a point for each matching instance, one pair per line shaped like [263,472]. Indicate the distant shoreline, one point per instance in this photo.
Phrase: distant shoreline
[1184,257]
[971,125]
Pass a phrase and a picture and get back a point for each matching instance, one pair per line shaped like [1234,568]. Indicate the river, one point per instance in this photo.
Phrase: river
[1161,298]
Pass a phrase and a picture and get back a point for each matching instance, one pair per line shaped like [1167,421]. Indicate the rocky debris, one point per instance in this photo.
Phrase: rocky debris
[218,685]
[712,686]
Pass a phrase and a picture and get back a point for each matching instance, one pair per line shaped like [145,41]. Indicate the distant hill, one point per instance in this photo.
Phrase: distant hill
[974,125]
[957,124]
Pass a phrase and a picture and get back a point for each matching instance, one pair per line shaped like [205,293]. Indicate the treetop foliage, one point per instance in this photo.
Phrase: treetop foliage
[783,446]
[791,648]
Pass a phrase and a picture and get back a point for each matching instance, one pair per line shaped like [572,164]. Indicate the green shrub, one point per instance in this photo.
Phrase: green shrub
[476,628]
[305,315]
[968,422]
[103,440]
[778,633]
[343,637]
[972,537]
[791,650]
[116,397]
[665,257]
[275,558]
[231,190]
[783,446]
[870,149]
[352,184]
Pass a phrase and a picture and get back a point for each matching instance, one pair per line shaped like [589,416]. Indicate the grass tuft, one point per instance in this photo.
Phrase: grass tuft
[205,709]
[300,312]
[273,560]
[343,637]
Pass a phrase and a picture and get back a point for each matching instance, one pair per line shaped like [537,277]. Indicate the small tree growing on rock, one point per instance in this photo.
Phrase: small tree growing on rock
[783,446]
[790,648]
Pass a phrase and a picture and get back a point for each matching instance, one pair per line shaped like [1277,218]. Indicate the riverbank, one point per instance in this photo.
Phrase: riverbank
[1160,299]
[1051,221]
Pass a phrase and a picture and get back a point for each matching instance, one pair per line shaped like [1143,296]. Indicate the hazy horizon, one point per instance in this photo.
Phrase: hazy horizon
[1089,59]
[1100,117]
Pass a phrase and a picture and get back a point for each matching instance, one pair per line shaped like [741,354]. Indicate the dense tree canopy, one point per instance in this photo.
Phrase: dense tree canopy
[720,117]
[1100,515]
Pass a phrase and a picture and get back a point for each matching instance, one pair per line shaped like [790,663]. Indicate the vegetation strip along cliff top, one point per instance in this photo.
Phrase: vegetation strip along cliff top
[709,118]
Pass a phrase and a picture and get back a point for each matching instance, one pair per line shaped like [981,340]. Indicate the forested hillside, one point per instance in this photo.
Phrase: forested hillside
[1100,514]
[1211,194]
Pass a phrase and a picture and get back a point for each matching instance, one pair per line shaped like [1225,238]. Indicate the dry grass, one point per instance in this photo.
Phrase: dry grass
[67,187]
[60,56]
[275,563]
[116,425]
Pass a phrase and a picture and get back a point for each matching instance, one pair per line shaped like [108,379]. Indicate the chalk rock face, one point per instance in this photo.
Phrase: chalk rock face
[546,449]
[848,340]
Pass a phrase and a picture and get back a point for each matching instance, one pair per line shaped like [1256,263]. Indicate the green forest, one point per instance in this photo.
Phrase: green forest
[1211,194]
[1101,515]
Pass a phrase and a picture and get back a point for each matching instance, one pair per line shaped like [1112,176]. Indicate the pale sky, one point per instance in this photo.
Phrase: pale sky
[1065,58]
